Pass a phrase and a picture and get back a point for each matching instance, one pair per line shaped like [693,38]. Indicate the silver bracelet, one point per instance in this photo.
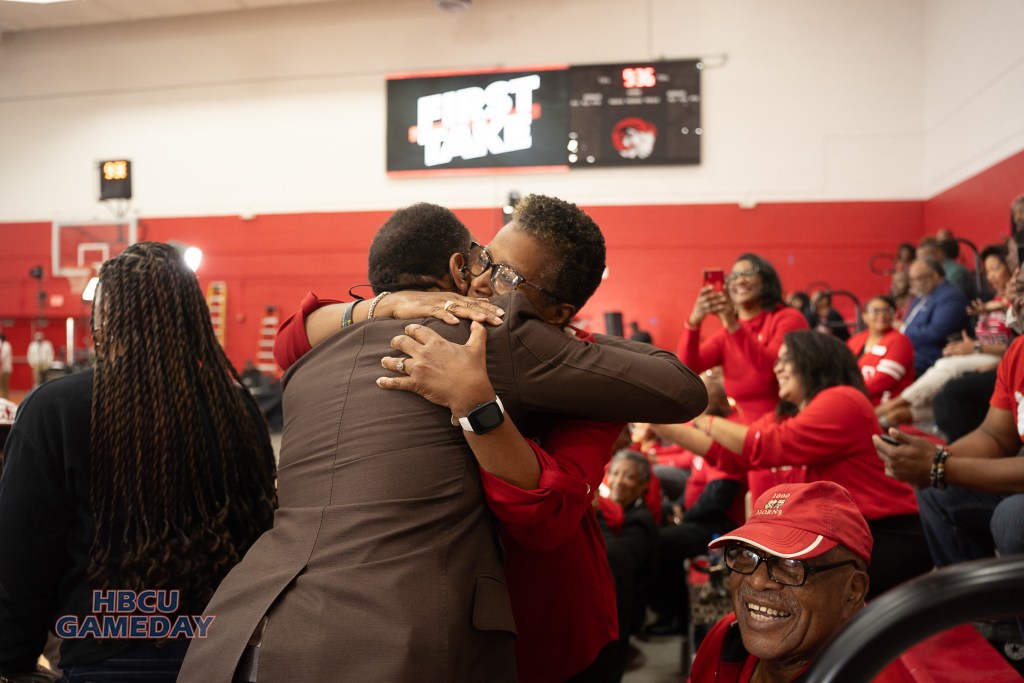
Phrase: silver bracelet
[373,304]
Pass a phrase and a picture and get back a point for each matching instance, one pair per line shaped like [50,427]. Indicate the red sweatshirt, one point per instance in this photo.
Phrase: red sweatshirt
[831,439]
[747,357]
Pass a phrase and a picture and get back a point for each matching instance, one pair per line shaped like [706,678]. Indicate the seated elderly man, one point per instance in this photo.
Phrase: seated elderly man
[797,575]
[938,310]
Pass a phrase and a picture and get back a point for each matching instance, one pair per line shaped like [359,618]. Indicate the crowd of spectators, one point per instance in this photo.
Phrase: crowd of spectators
[923,361]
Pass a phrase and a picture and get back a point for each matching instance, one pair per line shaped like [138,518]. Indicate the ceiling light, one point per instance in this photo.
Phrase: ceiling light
[453,5]
[89,293]
[39,2]
[192,256]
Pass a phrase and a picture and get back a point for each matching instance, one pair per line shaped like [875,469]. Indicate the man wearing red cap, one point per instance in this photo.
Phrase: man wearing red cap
[798,573]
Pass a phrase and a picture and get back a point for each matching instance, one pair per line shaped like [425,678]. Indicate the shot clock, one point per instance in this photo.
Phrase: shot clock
[639,77]
[634,114]
[116,179]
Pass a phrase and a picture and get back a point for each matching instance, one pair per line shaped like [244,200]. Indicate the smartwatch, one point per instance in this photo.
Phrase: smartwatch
[484,417]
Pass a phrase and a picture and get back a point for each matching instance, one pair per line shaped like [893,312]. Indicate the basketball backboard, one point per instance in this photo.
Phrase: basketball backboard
[79,248]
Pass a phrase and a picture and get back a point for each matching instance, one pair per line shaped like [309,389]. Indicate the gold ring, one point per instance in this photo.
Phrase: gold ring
[449,305]
[401,365]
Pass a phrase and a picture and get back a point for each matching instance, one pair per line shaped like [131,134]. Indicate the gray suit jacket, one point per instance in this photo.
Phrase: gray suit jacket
[383,563]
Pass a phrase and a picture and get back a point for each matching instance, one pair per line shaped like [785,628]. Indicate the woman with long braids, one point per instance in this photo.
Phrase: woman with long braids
[151,472]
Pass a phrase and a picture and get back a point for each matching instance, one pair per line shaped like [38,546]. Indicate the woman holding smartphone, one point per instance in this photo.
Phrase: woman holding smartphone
[754,321]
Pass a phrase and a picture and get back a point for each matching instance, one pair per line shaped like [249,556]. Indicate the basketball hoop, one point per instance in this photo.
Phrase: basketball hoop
[78,278]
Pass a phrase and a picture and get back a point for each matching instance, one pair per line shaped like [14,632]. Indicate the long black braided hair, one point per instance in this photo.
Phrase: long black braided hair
[181,466]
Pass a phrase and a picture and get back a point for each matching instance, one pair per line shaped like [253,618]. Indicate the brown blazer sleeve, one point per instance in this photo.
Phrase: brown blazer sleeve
[542,369]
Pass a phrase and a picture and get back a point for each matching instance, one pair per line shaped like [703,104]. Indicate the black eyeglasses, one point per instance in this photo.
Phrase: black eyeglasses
[504,278]
[780,570]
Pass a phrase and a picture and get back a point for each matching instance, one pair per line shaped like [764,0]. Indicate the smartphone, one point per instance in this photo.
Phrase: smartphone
[715,277]
[889,439]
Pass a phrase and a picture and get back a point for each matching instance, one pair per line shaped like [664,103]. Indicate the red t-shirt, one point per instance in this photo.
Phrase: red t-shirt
[830,440]
[1009,391]
[887,366]
[747,357]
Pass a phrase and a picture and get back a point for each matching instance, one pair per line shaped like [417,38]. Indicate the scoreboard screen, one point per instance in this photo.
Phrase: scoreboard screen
[635,114]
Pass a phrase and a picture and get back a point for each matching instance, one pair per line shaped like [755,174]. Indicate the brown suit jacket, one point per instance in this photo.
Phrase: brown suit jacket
[383,563]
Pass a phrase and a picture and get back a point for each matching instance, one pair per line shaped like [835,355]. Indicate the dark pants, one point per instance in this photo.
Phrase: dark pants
[607,667]
[963,525]
[673,481]
[900,552]
[961,405]
[676,544]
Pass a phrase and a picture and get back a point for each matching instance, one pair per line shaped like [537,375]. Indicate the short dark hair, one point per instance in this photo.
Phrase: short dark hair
[575,245]
[821,361]
[951,248]
[998,250]
[771,285]
[933,266]
[413,247]
[906,246]
[886,298]
[805,300]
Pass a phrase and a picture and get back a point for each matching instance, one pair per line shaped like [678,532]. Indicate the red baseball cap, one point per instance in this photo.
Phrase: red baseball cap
[800,521]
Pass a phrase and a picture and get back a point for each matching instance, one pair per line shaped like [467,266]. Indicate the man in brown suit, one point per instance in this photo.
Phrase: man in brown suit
[383,563]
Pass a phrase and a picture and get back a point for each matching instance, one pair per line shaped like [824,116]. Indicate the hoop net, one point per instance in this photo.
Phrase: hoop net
[78,278]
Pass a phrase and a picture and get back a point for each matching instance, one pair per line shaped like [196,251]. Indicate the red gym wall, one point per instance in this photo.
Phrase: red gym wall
[655,255]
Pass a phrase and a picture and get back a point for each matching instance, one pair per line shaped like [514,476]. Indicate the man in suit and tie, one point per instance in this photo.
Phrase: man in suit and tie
[383,563]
